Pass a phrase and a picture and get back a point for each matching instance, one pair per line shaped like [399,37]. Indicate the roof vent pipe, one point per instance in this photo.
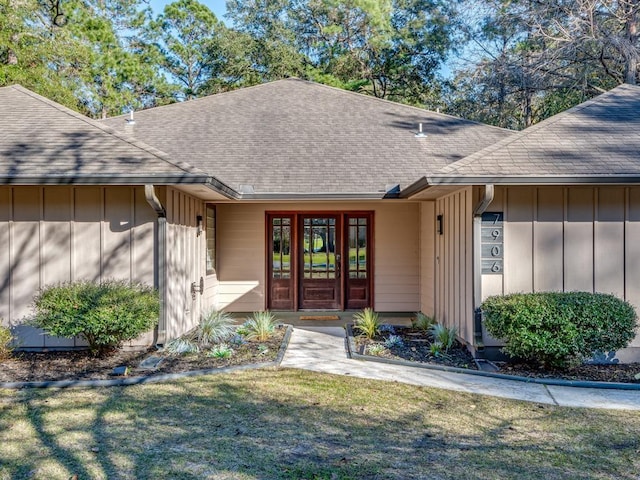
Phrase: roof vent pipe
[420,133]
[130,120]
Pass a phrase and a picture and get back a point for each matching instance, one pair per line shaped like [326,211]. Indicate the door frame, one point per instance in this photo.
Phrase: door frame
[295,258]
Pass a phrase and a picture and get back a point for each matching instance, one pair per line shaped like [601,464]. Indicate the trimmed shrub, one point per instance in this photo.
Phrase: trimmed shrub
[105,314]
[559,329]
[6,343]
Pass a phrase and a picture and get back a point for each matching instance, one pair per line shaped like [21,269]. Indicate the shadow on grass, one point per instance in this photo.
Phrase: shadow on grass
[289,424]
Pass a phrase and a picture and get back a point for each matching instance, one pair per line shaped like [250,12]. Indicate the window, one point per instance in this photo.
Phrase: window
[211,239]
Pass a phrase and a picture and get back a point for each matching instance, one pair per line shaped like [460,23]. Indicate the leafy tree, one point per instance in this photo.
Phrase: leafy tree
[185,34]
[88,57]
[267,28]
[531,60]
[389,48]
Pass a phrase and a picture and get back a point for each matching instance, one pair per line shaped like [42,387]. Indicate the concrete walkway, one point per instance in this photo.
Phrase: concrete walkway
[322,349]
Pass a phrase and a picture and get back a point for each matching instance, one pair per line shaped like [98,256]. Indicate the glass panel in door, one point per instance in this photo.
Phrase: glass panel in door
[320,262]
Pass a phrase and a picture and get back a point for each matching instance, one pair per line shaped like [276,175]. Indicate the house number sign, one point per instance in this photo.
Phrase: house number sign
[492,243]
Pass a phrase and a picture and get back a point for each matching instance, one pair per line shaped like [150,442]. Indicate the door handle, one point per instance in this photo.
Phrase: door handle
[338,257]
[197,288]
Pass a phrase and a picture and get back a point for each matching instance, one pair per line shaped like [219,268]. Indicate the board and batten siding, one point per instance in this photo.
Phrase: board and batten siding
[569,239]
[57,234]
[242,257]
[454,262]
[185,262]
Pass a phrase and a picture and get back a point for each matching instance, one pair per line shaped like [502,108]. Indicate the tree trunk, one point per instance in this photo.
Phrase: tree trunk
[632,54]
[12,58]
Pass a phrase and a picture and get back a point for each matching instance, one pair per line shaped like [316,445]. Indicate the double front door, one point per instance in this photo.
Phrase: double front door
[319,261]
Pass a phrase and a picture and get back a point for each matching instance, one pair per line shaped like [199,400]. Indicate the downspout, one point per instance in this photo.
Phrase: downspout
[161,266]
[486,200]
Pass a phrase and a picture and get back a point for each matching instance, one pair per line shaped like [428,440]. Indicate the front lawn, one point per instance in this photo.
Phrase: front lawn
[290,424]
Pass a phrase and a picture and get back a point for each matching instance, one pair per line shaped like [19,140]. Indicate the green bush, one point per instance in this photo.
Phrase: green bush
[105,314]
[559,329]
[6,343]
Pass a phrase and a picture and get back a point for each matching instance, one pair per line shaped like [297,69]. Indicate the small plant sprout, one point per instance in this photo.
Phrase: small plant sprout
[375,349]
[243,330]
[181,346]
[263,349]
[436,349]
[423,322]
[394,341]
[260,326]
[214,327]
[445,336]
[220,351]
[367,323]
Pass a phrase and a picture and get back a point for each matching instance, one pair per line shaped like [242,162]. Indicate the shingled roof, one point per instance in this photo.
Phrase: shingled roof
[293,138]
[42,142]
[596,141]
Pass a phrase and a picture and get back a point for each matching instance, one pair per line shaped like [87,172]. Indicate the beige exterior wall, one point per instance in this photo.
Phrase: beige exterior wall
[454,262]
[55,234]
[427,257]
[242,252]
[569,238]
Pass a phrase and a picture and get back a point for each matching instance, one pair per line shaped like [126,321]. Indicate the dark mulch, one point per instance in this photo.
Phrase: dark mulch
[619,373]
[81,365]
[417,349]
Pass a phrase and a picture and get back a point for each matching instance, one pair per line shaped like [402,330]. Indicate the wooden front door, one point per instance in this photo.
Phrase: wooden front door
[319,261]
[319,244]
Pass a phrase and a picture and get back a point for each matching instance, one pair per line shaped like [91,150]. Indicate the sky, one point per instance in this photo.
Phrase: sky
[217,6]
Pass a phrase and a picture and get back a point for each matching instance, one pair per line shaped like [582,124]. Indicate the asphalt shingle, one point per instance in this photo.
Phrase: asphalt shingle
[297,137]
[598,138]
[42,140]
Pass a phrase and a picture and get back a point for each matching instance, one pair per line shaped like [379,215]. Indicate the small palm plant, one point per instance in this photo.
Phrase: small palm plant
[445,336]
[260,326]
[423,322]
[367,323]
[215,326]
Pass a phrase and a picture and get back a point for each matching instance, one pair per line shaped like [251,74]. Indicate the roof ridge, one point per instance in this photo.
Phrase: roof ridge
[322,85]
[451,168]
[111,131]
[387,101]
[200,99]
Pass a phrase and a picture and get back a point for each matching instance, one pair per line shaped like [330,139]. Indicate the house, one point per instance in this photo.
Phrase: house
[296,196]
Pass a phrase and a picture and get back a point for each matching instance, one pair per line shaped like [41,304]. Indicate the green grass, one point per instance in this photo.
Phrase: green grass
[289,424]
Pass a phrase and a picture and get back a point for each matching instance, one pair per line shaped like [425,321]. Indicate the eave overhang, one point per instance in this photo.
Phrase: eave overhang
[432,181]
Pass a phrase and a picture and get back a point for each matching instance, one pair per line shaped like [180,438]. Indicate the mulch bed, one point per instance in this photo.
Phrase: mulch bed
[417,349]
[81,365]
